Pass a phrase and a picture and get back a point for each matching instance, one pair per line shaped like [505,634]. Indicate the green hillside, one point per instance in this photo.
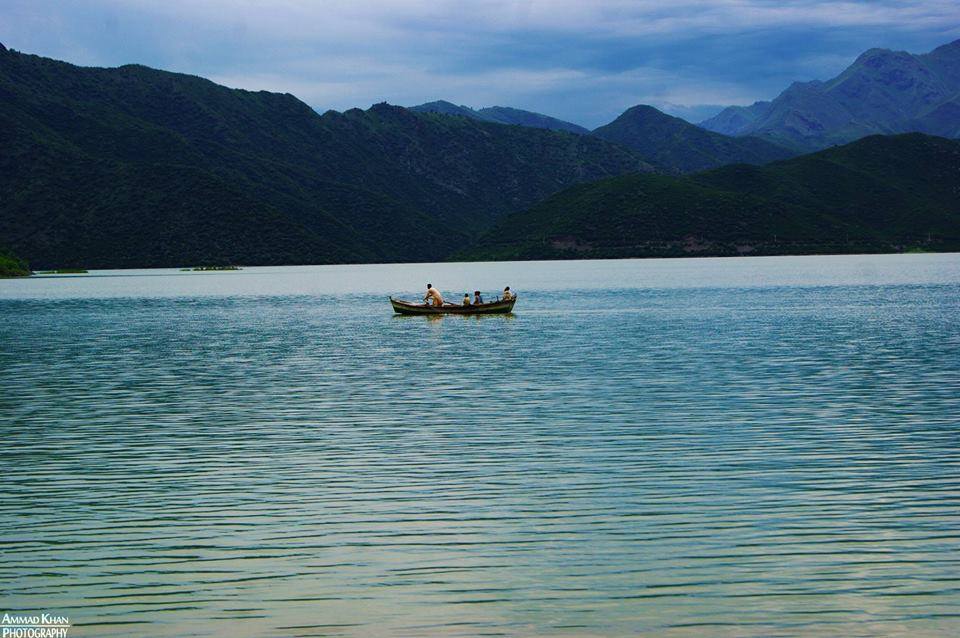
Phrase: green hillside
[12,266]
[507,115]
[677,145]
[501,115]
[879,194]
[137,167]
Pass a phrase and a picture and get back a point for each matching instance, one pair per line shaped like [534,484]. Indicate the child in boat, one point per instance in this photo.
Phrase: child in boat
[466,299]
[477,299]
[507,295]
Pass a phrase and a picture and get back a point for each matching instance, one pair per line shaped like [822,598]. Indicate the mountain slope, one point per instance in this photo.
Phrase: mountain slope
[876,194]
[883,92]
[519,117]
[501,115]
[673,143]
[12,266]
[137,167]
[443,107]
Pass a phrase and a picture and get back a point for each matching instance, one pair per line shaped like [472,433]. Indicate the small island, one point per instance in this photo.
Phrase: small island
[210,268]
[13,266]
[62,271]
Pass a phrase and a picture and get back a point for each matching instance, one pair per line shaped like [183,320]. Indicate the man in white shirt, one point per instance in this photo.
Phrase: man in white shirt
[433,295]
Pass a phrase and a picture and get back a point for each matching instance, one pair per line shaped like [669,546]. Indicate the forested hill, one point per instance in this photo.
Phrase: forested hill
[134,167]
[501,115]
[673,143]
[879,194]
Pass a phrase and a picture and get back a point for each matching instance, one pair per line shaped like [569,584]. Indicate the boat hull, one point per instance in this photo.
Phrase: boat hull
[493,308]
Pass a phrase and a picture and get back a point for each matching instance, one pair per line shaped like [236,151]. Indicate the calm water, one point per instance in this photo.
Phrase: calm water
[715,447]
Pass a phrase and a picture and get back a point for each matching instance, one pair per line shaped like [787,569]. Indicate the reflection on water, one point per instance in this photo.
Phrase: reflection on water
[773,452]
[453,317]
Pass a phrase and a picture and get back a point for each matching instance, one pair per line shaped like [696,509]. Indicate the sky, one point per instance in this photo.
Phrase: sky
[580,60]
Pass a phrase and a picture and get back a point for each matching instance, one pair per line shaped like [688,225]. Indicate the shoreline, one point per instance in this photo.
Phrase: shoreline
[47,274]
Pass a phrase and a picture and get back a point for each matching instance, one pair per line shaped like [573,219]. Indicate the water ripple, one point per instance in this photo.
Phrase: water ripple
[619,458]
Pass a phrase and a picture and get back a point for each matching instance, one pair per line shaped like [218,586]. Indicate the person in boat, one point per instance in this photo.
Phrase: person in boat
[507,295]
[433,296]
[466,299]
[477,299]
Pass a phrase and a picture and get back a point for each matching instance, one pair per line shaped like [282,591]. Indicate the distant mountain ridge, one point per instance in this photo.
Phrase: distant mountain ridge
[878,194]
[669,143]
[676,144]
[135,167]
[501,115]
[883,91]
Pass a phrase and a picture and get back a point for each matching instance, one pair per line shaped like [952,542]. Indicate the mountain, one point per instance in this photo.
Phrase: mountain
[501,115]
[135,167]
[519,117]
[879,194]
[676,144]
[667,142]
[883,92]
[449,108]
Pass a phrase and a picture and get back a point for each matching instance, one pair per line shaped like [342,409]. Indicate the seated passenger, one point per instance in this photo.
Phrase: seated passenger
[507,295]
[466,299]
[477,299]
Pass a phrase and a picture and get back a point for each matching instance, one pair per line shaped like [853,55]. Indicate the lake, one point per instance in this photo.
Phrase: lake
[689,447]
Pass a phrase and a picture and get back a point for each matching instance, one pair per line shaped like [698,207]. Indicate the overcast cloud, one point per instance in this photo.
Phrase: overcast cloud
[578,60]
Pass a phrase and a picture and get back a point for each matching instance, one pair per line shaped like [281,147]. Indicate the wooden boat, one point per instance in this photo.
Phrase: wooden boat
[499,307]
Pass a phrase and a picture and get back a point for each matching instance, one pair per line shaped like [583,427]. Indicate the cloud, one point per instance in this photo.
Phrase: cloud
[583,61]
[379,18]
